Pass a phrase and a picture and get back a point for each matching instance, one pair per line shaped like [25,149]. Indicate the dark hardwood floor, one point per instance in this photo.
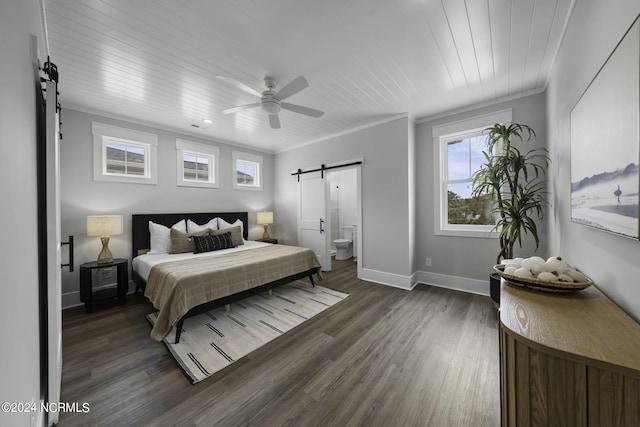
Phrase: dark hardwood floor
[381,357]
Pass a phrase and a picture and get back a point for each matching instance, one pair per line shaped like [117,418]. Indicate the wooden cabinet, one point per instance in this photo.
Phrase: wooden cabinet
[567,360]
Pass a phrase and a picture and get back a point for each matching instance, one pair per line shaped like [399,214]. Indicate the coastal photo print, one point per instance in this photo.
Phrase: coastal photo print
[605,143]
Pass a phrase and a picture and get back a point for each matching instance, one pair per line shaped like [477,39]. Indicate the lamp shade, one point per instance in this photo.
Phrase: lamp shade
[104,225]
[265,218]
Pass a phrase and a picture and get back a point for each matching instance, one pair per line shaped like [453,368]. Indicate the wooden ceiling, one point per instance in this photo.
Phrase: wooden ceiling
[155,61]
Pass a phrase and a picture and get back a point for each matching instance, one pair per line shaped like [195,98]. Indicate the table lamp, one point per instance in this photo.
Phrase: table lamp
[104,226]
[265,218]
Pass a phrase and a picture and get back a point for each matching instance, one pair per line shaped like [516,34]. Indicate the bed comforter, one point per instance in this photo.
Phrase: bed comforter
[175,287]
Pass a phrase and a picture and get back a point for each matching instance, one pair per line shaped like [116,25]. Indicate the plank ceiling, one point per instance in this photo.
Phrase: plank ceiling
[155,61]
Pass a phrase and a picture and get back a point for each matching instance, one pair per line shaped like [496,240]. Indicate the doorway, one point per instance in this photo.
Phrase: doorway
[330,209]
[344,214]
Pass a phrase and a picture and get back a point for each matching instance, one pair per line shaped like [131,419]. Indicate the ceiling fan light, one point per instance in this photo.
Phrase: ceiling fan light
[270,107]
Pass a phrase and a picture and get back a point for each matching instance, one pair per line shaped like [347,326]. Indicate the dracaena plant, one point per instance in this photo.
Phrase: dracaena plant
[516,182]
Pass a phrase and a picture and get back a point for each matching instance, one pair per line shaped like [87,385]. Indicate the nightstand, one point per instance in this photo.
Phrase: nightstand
[274,241]
[86,280]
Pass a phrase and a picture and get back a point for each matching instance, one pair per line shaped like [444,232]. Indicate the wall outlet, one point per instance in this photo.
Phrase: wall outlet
[427,262]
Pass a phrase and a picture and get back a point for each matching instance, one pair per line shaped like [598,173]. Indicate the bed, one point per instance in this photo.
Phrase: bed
[185,284]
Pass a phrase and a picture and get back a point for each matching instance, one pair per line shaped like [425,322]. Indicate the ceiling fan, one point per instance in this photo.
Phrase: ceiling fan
[271,101]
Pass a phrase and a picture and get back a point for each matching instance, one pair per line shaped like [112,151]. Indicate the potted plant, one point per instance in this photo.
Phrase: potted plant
[515,180]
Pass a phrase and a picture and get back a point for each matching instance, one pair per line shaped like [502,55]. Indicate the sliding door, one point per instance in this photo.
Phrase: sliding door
[314,230]
[54,259]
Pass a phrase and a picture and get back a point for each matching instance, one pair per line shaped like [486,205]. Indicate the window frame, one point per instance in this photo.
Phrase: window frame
[442,136]
[239,156]
[210,152]
[104,134]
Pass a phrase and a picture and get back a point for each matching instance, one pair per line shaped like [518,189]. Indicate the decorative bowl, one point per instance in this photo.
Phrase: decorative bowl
[541,285]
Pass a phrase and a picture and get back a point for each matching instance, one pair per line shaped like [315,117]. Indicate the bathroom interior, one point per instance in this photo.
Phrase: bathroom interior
[344,214]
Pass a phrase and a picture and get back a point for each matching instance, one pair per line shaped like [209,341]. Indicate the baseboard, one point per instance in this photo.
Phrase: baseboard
[389,279]
[464,284]
[473,286]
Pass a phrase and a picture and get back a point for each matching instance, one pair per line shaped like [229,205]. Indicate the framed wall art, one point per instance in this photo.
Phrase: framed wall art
[605,143]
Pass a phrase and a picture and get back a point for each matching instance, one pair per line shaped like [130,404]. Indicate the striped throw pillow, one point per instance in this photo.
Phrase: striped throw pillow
[210,243]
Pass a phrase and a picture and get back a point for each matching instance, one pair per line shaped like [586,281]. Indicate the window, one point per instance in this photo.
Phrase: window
[196,167]
[124,155]
[458,151]
[247,170]
[197,164]
[125,158]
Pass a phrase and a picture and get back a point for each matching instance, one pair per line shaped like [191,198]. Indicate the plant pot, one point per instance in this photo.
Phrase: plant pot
[494,287]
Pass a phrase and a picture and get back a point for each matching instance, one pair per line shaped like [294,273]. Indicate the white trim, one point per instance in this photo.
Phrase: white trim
[473,107]
[132,137]
[441,135]
[473,123]
[44,28]
[160,126]
[359,234]
[123,133]
[440,227]
[347,132]
[182,144]
[389,279]
[246,156]
[563,34]
[464,284]
[204,150]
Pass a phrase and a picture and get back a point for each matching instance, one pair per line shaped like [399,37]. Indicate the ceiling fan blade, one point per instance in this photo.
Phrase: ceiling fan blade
[294,86]
[274,121]
[302,110]
[240,108]
[239,85]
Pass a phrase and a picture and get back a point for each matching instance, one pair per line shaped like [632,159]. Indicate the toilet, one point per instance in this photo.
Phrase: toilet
[344,246]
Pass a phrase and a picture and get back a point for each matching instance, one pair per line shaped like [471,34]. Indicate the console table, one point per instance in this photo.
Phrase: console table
[567,360]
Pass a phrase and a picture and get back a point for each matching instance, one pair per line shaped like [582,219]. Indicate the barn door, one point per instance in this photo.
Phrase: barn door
[54,258]
[313,222]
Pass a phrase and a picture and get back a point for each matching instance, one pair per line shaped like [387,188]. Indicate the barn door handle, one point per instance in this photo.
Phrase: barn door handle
[70,264]
[321,225]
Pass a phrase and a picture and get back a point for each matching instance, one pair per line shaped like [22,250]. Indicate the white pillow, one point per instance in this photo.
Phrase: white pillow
[160,236]
[192,226]
[222,224]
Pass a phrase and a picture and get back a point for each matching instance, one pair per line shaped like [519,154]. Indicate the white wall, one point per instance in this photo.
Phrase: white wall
[19,311]
[611,261]
[467,257]
[82,196]
[385,194]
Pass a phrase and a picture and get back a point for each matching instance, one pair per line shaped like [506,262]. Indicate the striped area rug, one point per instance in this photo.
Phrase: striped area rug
[214,340]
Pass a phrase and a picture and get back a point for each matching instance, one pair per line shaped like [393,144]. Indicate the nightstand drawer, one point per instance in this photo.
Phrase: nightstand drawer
[274,241]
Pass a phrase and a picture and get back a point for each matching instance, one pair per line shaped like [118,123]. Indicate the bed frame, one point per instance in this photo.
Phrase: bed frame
[141,240]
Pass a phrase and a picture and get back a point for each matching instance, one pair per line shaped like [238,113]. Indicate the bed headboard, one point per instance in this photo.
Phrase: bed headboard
[140,225]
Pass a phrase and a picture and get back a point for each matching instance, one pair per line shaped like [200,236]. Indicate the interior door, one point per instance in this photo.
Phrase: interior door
[313,223]
[54,259]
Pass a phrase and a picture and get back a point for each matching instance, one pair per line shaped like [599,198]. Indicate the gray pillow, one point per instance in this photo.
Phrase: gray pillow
[182,242]
[236,234]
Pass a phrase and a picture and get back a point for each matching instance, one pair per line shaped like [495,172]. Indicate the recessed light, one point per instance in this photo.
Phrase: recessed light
[207,121]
